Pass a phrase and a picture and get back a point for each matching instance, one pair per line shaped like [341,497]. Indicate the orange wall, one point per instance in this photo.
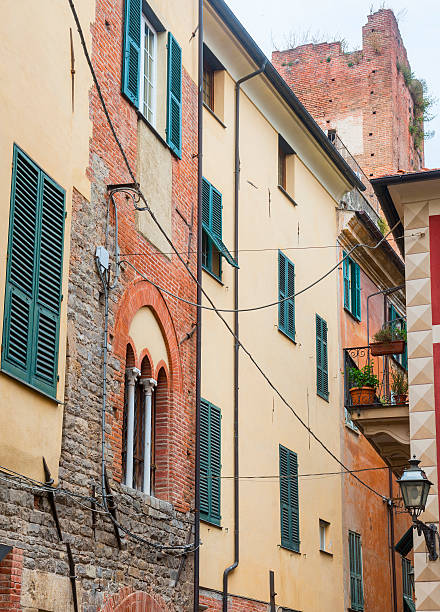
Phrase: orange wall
[363,511]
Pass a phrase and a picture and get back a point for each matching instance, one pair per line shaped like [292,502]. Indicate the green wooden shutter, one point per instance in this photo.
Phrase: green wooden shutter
[174,96]
[357,291]
[281,291]
[19,294]
[289,501]
[131,61]
[321,358]
[356,582]
[48,296]
[210,462]
[34,276]
[216,212]
[346,270]
[286,288]
[204,458]
[206,203]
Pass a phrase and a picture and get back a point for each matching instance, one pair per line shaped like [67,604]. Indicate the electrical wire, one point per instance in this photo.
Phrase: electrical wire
[279,477]
[266,249]
[186,266]
[263,306]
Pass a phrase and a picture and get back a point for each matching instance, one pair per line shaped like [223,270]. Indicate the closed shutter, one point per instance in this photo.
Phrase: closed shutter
[356,583]
[132,49]
[34,276]
[174,96]
[321,358]
[289,502]
[357,291]
[210,462]
[346,271]
[286,289]
[212,219]
[49,284]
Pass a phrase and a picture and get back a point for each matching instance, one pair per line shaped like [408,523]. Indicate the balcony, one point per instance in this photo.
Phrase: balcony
[383,418]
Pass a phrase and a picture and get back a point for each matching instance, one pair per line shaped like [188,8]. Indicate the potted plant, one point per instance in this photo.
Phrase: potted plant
[388,341]
[365,383]
[399,386]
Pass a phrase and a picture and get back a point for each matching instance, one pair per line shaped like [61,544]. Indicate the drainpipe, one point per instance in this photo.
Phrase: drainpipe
[232,567]
[132,375]
[393,558]
[199,314]
[148,384]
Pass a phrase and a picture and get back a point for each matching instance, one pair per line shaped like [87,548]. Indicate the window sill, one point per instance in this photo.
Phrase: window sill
[32,387]
[155,502]
[212,275]
[326,552]
[352,315]
[287,336]
[288,196]
[211,112]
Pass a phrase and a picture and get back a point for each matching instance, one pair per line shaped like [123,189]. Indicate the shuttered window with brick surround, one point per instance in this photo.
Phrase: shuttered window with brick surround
[34,276]
[210,462]
[138,77]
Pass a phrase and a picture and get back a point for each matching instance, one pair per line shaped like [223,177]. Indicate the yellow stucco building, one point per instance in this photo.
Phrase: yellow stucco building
[45,132]
[272,184]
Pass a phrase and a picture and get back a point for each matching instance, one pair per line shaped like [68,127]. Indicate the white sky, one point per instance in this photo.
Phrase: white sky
[419,24]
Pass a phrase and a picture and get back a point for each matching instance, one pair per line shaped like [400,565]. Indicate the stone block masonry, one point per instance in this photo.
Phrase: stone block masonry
[360,94]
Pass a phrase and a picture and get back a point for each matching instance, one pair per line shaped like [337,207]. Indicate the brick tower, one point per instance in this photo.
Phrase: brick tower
[363,96]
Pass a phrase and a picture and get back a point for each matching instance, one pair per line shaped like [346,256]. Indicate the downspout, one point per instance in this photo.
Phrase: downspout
[199,313]
[232,567]
[393,558]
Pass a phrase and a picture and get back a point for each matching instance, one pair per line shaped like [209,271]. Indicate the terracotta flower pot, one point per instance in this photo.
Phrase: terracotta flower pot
[394,347]
[401,398]
[362,396]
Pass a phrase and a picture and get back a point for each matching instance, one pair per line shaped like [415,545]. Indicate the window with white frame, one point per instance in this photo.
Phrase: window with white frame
[148,71]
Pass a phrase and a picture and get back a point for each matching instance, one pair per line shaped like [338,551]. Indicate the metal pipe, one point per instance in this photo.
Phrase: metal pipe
[272,606]
[148,384]
[232,567]
[393,559]
[199,312]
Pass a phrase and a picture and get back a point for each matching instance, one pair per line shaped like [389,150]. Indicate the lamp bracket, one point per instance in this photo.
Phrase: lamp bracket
[430,534]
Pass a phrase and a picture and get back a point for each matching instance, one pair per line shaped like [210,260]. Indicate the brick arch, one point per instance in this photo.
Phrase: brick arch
[127,600]
[135,297]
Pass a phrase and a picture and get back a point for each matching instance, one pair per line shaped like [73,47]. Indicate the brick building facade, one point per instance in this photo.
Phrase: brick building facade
[360,95]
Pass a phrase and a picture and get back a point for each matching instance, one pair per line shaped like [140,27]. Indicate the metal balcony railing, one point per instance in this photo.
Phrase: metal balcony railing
[384,367]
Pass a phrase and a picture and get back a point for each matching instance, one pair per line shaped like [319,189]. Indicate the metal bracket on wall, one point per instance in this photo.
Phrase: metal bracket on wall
[112,508]
[51,496]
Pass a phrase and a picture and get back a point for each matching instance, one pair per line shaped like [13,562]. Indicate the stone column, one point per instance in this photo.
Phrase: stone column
[148,384]
[131,377]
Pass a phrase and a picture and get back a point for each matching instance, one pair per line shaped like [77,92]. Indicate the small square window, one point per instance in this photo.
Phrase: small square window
[331,135]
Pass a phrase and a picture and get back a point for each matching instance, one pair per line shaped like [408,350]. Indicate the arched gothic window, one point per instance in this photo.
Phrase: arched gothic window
[139,425]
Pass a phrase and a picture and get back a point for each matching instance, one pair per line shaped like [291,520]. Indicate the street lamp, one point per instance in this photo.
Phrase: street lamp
[415,486]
